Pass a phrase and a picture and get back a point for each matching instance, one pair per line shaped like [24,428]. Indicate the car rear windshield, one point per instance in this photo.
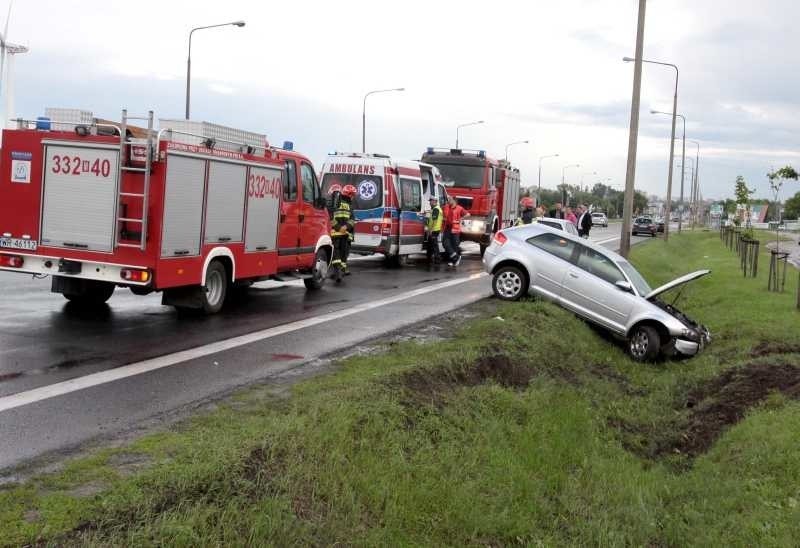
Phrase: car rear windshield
[636,279]
[369,189]
[462,176]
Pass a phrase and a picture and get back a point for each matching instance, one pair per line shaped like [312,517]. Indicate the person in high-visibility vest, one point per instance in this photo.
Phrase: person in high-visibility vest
[528,214]
[433,223]
[342,228]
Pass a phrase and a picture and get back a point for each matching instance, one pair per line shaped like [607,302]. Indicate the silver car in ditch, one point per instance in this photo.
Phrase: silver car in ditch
[594,283]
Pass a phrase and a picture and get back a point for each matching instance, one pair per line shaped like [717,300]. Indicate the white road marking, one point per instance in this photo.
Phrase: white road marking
[601,242]
[73,385]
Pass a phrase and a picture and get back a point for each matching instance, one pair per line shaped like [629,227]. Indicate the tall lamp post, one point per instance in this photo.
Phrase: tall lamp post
[514,143]
[458,128]
[672,139]
[189,57]
[539,191]
[563,183]
[364,114]
[683,161]
[694,183]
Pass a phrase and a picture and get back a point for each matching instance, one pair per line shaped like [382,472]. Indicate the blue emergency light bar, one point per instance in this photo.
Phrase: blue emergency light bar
[288,145]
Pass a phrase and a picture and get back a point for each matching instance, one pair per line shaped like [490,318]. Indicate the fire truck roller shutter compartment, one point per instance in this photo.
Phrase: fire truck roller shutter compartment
[264,186]
[183,206]
[225,202]
[79,197]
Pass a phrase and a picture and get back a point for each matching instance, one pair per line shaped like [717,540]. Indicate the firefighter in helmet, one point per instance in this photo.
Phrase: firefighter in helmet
[433,224]
[528,216]
[342,228]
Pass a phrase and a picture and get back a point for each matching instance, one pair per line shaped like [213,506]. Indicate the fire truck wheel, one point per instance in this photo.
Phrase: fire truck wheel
[92,294]
[319,272]
[213,293]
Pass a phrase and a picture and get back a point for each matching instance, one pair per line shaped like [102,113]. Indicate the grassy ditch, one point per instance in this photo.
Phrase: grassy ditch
[525,427]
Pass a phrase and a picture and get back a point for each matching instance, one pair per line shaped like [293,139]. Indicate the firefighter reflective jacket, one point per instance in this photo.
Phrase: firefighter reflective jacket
[342,221]
[435,219]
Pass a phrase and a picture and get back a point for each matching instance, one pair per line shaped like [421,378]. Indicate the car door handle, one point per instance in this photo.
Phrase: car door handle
[301,218]
[573,275]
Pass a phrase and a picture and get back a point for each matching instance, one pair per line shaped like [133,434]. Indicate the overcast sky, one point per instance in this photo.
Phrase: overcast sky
[546,71]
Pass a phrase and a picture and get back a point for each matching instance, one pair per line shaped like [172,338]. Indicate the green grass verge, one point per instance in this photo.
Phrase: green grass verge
[533,429]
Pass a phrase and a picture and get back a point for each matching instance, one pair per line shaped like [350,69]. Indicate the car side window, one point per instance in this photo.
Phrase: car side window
[571,229]
[598,264]
[550,224]
[410,195]
[309,182]
[290,182]
[553,244]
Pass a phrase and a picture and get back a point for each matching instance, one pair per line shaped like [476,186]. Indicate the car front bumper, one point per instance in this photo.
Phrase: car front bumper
[691,348]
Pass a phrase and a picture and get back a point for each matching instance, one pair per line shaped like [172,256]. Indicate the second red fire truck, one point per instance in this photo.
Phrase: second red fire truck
[191,210]
[487,188]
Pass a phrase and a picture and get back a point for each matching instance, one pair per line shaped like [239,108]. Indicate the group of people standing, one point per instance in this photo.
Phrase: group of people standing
[581,217]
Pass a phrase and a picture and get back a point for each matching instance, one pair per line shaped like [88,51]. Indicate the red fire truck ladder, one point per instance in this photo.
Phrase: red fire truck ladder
[123,167]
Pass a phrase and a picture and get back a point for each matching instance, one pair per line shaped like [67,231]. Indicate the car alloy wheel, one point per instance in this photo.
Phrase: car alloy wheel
[644,344]
[509,283]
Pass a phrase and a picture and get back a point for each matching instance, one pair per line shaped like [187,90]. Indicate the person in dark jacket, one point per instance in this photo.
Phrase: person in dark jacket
[558,212]
[584,221]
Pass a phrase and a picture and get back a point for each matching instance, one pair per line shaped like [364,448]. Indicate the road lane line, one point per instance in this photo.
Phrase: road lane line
[601,242]
[80,383]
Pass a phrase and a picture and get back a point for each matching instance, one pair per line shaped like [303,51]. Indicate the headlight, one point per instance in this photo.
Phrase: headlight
[471,225]
[690,334]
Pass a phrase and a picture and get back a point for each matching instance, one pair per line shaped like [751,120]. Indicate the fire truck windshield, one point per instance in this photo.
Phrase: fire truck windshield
[369,188]
[462,176]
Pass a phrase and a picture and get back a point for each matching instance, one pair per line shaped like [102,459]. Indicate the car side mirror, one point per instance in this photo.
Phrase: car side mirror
[624,286]
[321,202]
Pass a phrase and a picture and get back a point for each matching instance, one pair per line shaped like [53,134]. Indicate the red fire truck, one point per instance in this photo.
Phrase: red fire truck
[487,188]
[190,210]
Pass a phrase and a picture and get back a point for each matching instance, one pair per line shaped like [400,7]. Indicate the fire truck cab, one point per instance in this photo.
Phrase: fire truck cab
[488,189]
[191,210]
[391,203]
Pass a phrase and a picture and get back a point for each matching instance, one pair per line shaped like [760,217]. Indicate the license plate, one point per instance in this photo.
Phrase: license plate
[18,243]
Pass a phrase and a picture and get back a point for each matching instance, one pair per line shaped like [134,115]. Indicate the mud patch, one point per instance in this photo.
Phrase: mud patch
[710,410]
[772,347]
[433,385]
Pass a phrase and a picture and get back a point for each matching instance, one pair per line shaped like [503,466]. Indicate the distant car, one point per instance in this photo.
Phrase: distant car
[644,225]
[599,219]
[596,284]
[660,224]
[559,224]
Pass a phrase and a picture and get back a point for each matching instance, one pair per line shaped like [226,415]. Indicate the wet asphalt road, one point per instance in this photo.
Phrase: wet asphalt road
[45,340]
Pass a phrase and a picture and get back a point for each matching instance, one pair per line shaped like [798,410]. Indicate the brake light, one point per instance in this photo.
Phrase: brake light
[500,238]
[387,222]
[132,275]
[11,261]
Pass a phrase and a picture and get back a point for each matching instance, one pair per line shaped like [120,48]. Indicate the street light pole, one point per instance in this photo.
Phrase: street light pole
[512,144]
[539,191]
[667,206]
[683,161]
[694,183]
[630,174]
[364,114]
[458,128]
[189,57]
[563,182]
